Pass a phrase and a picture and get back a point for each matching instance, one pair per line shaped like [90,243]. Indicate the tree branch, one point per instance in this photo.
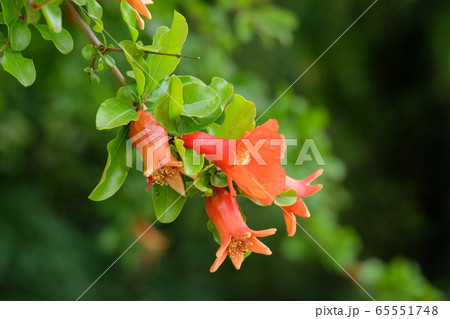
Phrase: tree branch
[93,39]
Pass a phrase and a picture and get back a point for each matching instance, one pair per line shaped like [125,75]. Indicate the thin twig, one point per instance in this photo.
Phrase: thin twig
[93,39]
[106,49]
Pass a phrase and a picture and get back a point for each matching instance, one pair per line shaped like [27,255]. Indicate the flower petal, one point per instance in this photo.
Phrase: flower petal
[140,7]
[298,208]
[219,260]
[258,247]
[237,259]
[291,224]
[177,183]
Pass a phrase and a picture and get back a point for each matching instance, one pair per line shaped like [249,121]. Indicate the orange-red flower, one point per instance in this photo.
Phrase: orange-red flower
[140,8]
[152,142]
[303,189]
[253,161]
[236,237]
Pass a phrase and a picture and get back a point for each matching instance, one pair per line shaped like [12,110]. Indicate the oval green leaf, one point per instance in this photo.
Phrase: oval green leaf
[116,169]
[20,35]
[19,67]
[115,112]
[167,203]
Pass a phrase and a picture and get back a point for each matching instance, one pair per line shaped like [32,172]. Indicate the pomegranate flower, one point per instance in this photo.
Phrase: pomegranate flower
[253,161]
[140,8]
[152,142]
[236,237]
[303,189]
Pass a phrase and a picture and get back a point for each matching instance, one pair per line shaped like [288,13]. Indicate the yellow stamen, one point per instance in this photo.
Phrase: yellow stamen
[161,175]
[244,158]
[238,245]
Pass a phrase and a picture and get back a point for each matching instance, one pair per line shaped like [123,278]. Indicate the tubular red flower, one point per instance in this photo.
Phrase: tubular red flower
[236,237]
[253,161]
[303,189]
[152,142]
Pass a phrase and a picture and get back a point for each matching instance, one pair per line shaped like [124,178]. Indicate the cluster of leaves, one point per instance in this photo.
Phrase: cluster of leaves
[182,104]
[17,16]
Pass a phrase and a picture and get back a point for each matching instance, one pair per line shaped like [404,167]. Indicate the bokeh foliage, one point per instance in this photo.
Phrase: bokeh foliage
[376,106]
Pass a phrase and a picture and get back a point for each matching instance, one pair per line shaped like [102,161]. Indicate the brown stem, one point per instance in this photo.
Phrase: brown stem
[153,52]
[93,39]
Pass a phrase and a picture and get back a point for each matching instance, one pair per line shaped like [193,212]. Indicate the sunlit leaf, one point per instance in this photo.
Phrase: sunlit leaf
[135,58]
[168,112]
[223,89]
[129,16]
[193,162]
[171,42]
[114,112]
[239,117]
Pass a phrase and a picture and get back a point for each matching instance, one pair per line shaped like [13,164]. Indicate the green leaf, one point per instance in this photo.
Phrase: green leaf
[168,112]
[53,16]
[213,231]
[20,35]
[32,16]
[167,203]
[116,169]
[80,2]
[239,117]
[286,198]
[3,40]
[171,42]
[201,107]
[201,181]
[150,47]
[98,26]
[109,60]
[10,11]
[223,89]
[193,162]
[128,93]
[186,79]
[135,58]
[94,9]
[219,179]
[19,67]
[129,16]
[88,52]
[114,112]
[62,40]
[199,100]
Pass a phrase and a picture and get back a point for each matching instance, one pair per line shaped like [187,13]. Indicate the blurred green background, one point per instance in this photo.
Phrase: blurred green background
[376,105]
